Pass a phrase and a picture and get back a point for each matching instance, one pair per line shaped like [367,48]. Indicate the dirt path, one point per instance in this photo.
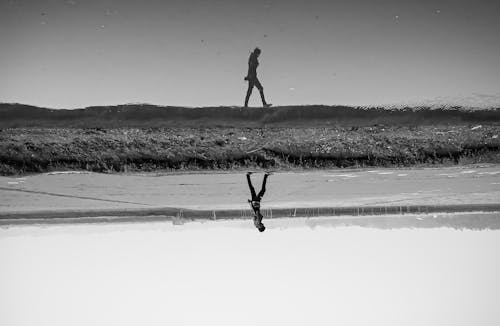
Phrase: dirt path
[478,184]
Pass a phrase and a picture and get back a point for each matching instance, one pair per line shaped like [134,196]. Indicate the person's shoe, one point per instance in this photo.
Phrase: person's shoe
[267,105]
[268,173]
[249,173]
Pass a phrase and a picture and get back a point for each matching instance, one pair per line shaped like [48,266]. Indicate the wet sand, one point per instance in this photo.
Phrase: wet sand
[76,192]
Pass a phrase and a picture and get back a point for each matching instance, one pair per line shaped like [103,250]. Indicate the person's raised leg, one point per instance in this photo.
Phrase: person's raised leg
[261,91]
[249,92]
[262,97]
[252,190]
[263,188]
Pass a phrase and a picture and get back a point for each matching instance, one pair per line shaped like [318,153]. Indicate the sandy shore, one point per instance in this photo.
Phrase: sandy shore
[84,194]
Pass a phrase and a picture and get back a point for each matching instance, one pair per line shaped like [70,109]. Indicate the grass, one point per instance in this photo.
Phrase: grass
[28,150]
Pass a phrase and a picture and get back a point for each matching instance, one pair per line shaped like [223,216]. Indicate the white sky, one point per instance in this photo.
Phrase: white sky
[227,273]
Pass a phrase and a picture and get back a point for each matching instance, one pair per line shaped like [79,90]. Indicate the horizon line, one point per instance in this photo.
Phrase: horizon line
[372,106]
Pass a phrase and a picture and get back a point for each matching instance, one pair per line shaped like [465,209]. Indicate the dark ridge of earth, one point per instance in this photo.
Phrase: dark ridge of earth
[152,116]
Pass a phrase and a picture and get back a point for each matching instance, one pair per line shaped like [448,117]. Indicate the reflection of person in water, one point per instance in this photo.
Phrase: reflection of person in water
[252,78]
[255,201]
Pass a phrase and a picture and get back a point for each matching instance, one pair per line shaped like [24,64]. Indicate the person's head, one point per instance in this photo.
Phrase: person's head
[257,221]
[256,51]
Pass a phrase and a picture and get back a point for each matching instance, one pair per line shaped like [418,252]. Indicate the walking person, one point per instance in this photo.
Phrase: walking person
[252,79]
[255,201]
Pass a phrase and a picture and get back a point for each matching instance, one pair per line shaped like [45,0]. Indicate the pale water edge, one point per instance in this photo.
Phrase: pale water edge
[459,220]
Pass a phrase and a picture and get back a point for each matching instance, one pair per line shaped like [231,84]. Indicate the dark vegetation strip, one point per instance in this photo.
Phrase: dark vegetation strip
[31,150]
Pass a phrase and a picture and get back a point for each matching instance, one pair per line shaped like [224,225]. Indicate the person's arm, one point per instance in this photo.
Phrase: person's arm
[252,65]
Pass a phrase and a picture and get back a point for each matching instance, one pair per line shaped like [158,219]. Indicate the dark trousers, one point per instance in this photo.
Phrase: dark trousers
[253,81]
[257,197]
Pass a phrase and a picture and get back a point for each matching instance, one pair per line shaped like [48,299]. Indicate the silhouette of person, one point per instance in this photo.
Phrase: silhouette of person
[255,201]
[252,79]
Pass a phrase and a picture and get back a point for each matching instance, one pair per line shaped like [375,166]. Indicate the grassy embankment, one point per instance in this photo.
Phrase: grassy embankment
[283,138]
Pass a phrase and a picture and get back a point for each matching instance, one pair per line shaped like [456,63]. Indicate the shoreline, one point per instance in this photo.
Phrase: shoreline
[473,217]
[243,170]
[182,215]
[214,196]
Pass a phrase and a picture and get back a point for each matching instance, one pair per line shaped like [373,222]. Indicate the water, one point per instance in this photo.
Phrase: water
[301,271]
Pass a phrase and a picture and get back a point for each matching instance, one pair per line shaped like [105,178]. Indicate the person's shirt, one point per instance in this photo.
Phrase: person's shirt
[254,203]
[252,65]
